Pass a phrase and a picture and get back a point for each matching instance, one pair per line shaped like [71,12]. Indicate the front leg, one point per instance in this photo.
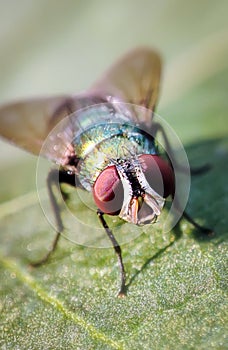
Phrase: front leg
[205,230]
[54,178]
[123,289]
[194,171]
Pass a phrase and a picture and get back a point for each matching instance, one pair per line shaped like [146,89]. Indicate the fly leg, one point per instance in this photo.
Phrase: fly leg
[55,178]
[194,171]
[201,170]
[205,230]
[122,291]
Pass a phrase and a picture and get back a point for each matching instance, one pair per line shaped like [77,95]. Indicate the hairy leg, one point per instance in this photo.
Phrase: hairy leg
[122,291]
[55,178]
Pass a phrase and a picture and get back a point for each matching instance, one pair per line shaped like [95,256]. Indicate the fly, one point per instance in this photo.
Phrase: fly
[104,141]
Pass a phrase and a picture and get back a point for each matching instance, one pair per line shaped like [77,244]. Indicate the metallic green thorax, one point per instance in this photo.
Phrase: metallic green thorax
[101,144]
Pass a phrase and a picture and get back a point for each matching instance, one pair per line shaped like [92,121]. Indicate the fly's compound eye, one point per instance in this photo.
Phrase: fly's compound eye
[159,174]
[108,191]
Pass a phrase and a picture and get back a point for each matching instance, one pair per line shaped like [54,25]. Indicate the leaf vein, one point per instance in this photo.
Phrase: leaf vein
[30,282]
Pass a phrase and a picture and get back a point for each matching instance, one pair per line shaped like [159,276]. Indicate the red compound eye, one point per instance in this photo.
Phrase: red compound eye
[108,191]
[159,174]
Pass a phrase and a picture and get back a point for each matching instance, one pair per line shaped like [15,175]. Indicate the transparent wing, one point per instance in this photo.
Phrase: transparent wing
[134,79]
[27,123]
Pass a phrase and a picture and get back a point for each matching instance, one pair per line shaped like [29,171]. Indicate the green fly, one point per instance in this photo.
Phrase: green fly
[103,144]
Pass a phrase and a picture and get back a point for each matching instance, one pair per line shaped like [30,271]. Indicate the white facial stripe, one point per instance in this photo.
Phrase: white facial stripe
[129,211]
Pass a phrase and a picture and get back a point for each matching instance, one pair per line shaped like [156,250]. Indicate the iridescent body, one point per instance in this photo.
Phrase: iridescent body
[103,144]
[106,141]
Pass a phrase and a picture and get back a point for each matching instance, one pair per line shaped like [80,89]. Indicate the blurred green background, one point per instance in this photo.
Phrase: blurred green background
[176,301]
[51,47]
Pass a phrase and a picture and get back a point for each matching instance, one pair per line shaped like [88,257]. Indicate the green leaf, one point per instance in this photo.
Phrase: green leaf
[177,281]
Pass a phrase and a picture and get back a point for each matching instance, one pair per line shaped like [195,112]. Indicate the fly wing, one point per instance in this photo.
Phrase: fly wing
[134,79]
[28,124]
